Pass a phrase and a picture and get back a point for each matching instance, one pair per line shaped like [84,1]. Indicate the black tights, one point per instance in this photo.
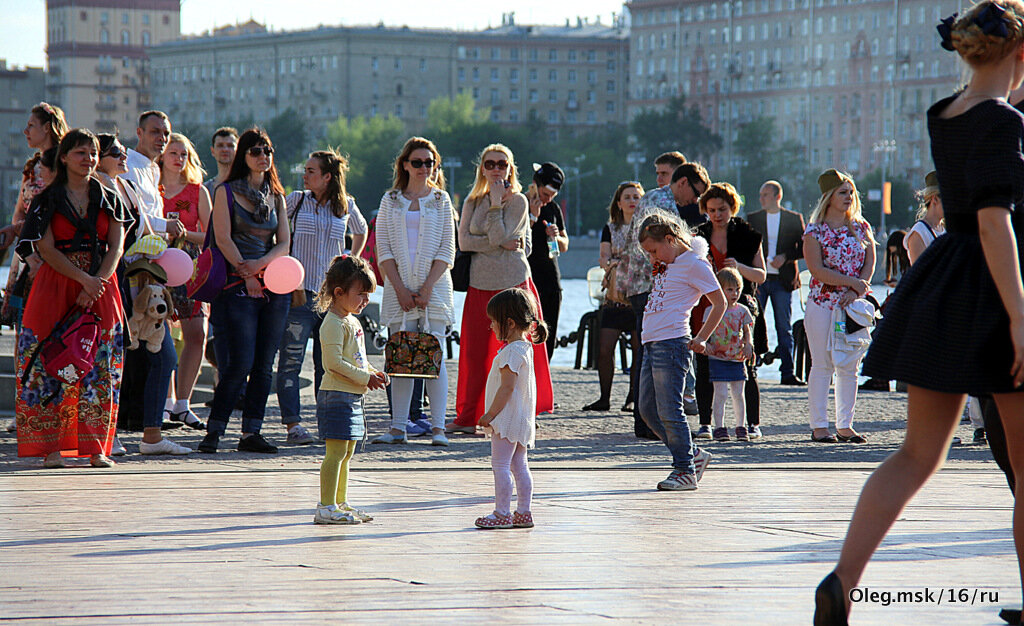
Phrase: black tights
[607,342]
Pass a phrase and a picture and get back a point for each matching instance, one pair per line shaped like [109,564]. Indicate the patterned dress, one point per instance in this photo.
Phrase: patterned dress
[186,205]
[78,419]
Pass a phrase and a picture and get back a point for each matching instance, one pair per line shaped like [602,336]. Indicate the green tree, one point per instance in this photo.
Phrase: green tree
[371,145]
[761,156]
[676,127]
[904,206]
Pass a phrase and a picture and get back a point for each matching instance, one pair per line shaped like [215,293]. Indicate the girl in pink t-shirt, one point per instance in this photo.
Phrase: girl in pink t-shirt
[682,275]
[729,347]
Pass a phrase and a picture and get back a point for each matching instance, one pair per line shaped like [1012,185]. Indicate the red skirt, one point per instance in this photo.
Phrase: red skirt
[79,419]
[477,348]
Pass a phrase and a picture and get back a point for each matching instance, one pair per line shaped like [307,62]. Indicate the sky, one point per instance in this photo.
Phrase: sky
[23,27]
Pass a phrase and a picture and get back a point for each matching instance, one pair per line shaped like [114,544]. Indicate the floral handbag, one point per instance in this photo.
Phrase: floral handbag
[413,354]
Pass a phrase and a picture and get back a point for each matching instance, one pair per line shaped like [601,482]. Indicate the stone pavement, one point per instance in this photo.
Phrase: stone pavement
[228,537]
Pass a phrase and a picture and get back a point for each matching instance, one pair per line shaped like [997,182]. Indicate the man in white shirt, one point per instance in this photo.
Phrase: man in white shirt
[153,132]
[782,244]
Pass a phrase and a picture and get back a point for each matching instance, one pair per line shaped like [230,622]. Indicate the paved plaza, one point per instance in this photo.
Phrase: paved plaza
[228,538]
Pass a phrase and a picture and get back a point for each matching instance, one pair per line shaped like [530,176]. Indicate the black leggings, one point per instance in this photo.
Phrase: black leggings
[706,392]
[996,438]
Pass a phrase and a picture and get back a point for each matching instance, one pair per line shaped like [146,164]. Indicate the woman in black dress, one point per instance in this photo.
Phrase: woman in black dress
[966,289]
[549,239]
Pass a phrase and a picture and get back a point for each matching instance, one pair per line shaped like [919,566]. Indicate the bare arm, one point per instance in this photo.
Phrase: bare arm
[755,272]
[115,246]
[915,247]
[199,236]
[714,315]
[358,243]
[868,270]
[606,254]
[1000,249]
[502,396]
[221,219]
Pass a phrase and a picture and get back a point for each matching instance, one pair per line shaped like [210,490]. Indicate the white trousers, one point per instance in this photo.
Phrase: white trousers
[817,325]
[436,388]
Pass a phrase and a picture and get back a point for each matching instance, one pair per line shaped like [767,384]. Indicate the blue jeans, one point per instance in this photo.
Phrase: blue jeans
[158,379]
[248,332]
[660,398]
[302,323]
[782,309]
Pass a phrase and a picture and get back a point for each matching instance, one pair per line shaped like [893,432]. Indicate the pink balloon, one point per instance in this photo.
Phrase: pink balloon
[178,265]
[284,275]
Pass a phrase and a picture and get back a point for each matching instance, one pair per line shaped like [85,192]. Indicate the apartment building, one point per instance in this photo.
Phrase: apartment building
[20,90]
[96,49]
[839,76]
[566,76]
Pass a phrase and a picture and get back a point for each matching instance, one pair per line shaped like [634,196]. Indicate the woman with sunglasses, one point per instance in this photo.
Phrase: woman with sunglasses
[495,227]
[250,225]
[157,367]
[185,199]
[76,226]
[415,251]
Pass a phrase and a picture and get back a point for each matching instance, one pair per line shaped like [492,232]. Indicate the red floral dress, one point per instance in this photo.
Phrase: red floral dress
[842,251]
[186,205]
[79,419]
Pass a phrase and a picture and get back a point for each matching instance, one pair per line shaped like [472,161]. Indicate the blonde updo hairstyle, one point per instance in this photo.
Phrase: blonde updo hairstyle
[976,47]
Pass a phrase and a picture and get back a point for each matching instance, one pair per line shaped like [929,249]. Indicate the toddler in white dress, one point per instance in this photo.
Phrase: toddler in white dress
[511,395]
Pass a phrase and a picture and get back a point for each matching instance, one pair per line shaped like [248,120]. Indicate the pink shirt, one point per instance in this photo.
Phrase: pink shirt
[675,291]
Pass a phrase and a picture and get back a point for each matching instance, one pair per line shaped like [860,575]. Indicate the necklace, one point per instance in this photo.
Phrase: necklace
[77,202]
[982,95]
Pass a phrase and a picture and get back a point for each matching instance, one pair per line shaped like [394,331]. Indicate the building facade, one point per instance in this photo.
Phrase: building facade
[567,77]
[20,90]
[838,76]
[96,49]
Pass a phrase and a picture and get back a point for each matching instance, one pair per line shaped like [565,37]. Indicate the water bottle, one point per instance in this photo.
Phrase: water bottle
[552,245]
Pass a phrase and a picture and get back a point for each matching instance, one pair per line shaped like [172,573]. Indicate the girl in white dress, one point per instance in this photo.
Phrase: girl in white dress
[511,400]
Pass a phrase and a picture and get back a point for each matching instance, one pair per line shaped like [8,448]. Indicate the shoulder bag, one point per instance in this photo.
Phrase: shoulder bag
[211,268]
[299,295]
[69,352]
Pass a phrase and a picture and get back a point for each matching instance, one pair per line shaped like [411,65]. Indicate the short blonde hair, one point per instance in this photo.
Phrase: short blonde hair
[730,277]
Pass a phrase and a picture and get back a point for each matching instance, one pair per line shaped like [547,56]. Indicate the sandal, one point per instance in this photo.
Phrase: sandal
[854,438]
[598,406]
[494,521]
[169,423]
[188,418]
[829,438]
[452,427]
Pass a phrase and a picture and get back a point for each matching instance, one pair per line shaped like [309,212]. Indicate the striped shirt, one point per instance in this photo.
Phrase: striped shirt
[317,235]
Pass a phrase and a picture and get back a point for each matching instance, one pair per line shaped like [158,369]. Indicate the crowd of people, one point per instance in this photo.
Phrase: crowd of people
[685,276]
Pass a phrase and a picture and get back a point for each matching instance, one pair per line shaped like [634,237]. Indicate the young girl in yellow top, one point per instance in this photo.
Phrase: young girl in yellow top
[347,376]
[511,401]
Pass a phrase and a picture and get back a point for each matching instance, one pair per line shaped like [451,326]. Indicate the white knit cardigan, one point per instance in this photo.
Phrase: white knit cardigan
[436,243]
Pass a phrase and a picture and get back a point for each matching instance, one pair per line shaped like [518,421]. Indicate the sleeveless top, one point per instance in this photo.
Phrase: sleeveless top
[253,239]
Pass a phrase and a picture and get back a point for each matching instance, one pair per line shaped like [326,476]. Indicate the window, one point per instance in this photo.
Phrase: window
[552,117]
[610,65]
[590,96]
[104,36]
[494,97]
[513,95]
[423,65]
[494,74]
[476,93]
[533,75]
[533,54]
[145,37]
[126,38]
[552,95]
[476,74]
[610,87]
[513,116]
[374,65]
[145,19]
[104,17]
[591,77]
[398,63]
[513,75]
[462,74]
[398,89]
[572,56]
[514,54]
[124,18]
[552,76]
[572,76]
[609,107]
[495,54]
[552,55]
[533,95]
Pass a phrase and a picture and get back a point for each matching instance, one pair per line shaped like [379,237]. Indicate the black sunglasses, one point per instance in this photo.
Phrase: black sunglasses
[418,163]
[114,151]
[490,165]
[258,150]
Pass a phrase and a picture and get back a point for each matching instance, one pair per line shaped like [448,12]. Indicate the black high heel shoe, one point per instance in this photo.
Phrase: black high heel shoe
[830,602]
[1010,616]
[598,406]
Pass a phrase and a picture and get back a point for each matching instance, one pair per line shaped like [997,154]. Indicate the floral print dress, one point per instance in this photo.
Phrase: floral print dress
[842,250]
[79,419]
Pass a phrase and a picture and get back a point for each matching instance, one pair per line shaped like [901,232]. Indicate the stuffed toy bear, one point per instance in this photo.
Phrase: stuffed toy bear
[150,308]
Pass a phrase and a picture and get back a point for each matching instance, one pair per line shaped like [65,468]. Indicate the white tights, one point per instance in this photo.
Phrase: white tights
[508,460]
[739,404]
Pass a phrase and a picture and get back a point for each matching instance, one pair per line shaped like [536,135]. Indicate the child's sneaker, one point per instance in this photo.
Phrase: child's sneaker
[522,520]
[720,434]
[327,515]
[704,432]
[701,459]
[678,481]
[494,521]
[359,514]
[741,433]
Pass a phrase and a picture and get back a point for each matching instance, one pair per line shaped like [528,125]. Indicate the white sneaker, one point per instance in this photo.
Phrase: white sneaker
[327,515]
[12,426]
[164,446]
[439,440]
[700,462]
[678,481]
[117,449]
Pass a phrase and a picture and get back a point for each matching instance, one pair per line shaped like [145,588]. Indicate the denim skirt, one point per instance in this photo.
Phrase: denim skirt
[725,371]
[339,415]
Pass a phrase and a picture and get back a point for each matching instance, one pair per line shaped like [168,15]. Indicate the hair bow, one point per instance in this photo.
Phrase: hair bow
[945,29]
[658,268]
[992,21]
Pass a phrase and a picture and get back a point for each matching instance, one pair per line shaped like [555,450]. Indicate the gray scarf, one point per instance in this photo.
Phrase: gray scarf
[259,198]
